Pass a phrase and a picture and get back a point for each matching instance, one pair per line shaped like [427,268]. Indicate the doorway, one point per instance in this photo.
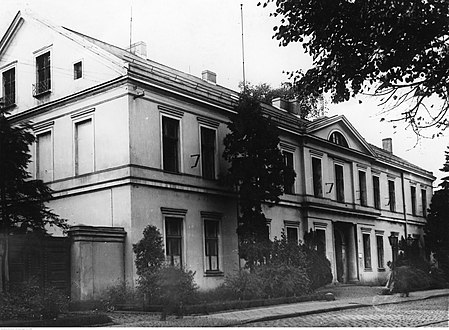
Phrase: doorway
[345,252]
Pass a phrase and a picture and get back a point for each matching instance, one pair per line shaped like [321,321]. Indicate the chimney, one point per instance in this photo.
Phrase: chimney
[209,76]
[387,145]
[139,48]
[280,103]
[295,107]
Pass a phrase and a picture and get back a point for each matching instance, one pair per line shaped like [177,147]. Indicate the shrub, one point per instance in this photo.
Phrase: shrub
[119,294]
[149,251]
[281,280]
[175,288]
[318,268]
[243,285]
[29,301]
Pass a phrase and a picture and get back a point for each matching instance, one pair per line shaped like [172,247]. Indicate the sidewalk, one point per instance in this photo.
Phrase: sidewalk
[346,297]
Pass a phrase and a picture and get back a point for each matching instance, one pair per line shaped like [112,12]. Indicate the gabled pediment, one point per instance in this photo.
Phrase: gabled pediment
[338,130]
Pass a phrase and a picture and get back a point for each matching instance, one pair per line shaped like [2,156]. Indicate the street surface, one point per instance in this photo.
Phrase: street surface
[433,312]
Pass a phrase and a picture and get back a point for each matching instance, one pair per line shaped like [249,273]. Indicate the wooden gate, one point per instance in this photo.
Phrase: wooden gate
[42,260]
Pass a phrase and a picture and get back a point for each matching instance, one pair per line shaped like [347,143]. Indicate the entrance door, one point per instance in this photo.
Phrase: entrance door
[345,252]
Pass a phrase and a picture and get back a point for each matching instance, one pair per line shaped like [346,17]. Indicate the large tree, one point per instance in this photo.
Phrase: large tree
[258,172]
[22,200]
[437,226]
[395,49]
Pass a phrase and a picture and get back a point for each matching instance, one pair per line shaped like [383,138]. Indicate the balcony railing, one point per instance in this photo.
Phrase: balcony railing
[7,101]
[41,87]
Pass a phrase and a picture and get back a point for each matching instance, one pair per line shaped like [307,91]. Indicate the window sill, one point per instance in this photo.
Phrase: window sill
[213,273]
[368,270]
[37,95]
[9,106]
[380,269]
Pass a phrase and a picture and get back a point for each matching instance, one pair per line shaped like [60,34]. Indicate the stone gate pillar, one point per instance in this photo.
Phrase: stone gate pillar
[97,260]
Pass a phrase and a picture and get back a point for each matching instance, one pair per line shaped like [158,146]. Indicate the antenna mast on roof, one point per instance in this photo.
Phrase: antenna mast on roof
[243,49]
[131,27]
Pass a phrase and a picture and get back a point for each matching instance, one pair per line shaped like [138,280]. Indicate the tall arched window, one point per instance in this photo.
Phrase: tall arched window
[338,138]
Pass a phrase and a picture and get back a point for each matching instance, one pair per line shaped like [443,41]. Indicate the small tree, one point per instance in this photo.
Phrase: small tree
[22,200]
[258,172]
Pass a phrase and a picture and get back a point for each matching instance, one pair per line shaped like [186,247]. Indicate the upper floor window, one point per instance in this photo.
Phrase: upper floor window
[338,138]
[84,146]
[208,146]
[288,159]
[339,183]
[362,188]
[43,77]
[424,202]
[44,156]
[413,197]
[391,195]
[170,144]
[317,177]
[376,191]
[78,70]
[9,87]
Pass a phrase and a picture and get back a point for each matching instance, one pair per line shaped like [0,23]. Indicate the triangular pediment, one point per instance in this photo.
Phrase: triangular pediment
[326,127]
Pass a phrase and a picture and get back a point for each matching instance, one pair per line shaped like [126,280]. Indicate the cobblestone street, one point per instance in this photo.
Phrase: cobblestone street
[429,312]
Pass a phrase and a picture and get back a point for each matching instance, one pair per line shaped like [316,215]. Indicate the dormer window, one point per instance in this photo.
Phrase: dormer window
[338,138]
[43,79]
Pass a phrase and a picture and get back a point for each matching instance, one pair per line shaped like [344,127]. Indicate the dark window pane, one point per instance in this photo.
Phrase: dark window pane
[43,79]
[339,139]
[376,188]
[424,202]
[9,87]
[367,251]
[77,70]
[339,182]
[208,140]
[413,196]
[292,234]
[288,159]
[170,144]
[173,234]
[380,251]
[316,173]
[211,241]
[321,241]
[362,188]
[391,195]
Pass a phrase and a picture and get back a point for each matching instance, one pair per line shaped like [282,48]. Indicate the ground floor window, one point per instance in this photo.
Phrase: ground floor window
[380,251]
[173,236]
[367,251]
[211,231]
[292,234]
[321,241]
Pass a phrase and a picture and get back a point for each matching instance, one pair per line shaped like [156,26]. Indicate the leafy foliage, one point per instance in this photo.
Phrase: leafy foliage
[22,206]
[149,251]
[29,301]
[395,49]
[257,171]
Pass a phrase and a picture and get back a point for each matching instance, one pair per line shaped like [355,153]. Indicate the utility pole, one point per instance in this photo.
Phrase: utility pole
[243,48]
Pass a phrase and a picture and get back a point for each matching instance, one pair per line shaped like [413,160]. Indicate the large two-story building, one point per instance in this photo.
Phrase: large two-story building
[125,142]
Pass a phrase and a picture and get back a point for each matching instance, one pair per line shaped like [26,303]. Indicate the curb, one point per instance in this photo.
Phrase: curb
[332,309]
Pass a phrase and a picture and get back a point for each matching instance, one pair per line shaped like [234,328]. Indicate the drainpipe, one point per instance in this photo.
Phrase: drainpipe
[403,204]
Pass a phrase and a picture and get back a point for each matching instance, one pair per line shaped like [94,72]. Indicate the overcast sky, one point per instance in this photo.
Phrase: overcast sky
[195,35]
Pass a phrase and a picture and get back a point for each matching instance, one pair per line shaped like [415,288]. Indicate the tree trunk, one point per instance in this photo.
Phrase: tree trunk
[4,269]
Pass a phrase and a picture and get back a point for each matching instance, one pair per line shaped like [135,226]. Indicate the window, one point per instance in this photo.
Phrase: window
[424,202]
[44,157]
[173,240]
[77,70]
[84,147]
[320,241]
[413,197]
[208,142]
[391,196]
[288,159]
[9,87]
[376,189]
[43,79]
[316,177]
[211,241]
[362,188]
[292,234]
[339,182]
[338,138]
[170,144]
[367,251]
[380,251]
